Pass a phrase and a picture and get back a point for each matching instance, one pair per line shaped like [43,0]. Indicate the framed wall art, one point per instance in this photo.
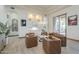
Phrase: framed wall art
[23,22]
[72,20]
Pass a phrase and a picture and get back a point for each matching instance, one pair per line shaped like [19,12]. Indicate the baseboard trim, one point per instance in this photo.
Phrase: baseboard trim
[21,37]
[73,39]
[12,35]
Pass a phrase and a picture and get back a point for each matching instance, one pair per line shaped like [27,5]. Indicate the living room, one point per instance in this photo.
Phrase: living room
[42,22]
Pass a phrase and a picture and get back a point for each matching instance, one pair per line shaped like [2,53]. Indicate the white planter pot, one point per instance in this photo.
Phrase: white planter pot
[2,41]
[6,40]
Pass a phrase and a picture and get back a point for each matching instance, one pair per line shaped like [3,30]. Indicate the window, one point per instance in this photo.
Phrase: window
[59,24]
[56,24]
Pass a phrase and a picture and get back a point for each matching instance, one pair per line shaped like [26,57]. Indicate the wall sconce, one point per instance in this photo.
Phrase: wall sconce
[37,17]
[34,17]
[31,17]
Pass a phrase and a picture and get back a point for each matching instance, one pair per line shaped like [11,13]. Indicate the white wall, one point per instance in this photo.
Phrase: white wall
[72,31]
[2,14]
[19,13]
[22,13]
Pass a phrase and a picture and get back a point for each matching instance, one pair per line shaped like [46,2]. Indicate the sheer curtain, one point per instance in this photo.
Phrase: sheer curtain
[62,24]
[56,24]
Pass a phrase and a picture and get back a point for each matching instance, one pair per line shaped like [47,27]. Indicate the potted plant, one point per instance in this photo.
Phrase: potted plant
[4,31]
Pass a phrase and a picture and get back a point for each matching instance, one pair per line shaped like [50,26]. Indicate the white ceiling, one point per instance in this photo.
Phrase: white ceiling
[43,8]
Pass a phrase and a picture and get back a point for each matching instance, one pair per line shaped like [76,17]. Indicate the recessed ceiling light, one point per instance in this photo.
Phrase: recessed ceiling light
[12,7]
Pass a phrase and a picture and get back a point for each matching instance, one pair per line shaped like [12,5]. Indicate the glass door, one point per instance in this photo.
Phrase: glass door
[59,24]
[63,25]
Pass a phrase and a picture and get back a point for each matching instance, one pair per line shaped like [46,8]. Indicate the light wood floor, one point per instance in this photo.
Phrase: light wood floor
[17,46]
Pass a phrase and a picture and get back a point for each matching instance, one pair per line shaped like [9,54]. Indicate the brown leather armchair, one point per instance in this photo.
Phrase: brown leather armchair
[61,37]
[52,46]
[31,41]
